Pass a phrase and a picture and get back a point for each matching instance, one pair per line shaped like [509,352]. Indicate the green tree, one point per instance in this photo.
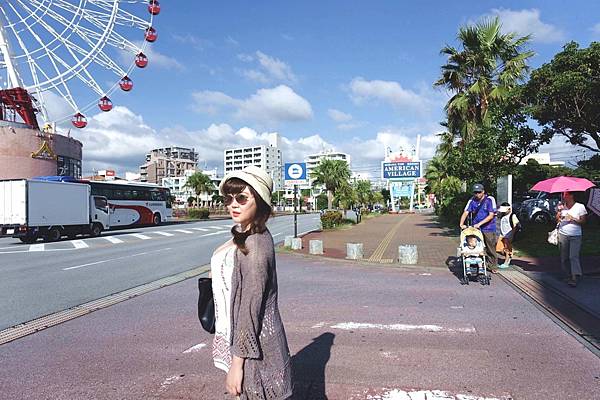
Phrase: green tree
[386,195]
[364,194]
[200,183]
[332,174]
[489,64]
[378,198]
[346,196]
[190,201]
[564,95]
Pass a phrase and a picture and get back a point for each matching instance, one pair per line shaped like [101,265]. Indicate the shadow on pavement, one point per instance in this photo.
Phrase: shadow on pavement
[308,366]
[454,265]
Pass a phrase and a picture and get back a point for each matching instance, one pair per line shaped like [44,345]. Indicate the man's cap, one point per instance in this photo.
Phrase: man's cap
[478,187]
[256,177]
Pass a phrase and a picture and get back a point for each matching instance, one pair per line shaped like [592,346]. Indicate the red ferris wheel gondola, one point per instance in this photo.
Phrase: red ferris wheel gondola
[141,60]
[79,120]
[151,35]
[105,104]
[126,84]
[153,7]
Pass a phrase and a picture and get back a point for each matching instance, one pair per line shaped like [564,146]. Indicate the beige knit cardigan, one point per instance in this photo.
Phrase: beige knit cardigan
[258,335]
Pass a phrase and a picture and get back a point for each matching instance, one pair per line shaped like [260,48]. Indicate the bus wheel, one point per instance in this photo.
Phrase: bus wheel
[156,219]
[96,230]
[53,235]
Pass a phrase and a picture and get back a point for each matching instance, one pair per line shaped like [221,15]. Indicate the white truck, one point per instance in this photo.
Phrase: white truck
[31,209]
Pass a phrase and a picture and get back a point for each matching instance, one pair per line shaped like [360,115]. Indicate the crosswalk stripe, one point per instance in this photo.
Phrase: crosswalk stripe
[36,247]
[217,226]
[163,233]
[201,229]
[182,231]
[215,233]
[79,244]
[113,239]
[140,236]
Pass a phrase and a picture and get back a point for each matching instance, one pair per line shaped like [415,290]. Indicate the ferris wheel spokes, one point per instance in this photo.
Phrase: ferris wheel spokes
[69,38]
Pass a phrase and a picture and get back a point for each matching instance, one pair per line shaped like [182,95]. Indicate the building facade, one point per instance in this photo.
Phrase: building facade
[27,152]
[267,157]
[166,163]
[181,192]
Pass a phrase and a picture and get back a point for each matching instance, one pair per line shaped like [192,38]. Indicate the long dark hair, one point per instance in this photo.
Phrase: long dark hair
[235,186]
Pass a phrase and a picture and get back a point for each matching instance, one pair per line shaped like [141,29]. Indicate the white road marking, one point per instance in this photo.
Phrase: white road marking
[201,229]
[114,259]
[182,231]
[36,247]
[398,394]
[163,233]
[425,274]
[79,244]
[217,226]
[214,233]
[319,325]
[195,348]
[113,240]
[170,380]
[277,234]
[400,327]
[140,236]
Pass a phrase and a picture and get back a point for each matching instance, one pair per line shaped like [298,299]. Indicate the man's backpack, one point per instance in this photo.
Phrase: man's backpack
[519,229]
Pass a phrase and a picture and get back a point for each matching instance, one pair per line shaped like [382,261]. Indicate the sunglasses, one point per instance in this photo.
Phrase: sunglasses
[240,198]
[481,191]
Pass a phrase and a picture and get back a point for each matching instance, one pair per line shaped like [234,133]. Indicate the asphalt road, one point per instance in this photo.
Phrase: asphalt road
[44,278]
[355,331]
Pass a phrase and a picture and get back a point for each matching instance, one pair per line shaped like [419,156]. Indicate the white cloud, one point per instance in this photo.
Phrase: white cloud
[120,139]
[271,69]
[362,91]
[338,116]
[274,105]
[596,29]
[526,22]
[194,41]
[155,59]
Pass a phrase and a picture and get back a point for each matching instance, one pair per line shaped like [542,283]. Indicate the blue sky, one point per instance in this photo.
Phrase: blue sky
[354,76]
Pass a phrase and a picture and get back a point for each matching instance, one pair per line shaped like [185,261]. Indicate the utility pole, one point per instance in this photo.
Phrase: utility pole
[295,211]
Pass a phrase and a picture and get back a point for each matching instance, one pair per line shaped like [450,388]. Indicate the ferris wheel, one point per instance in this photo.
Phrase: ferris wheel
[80,50]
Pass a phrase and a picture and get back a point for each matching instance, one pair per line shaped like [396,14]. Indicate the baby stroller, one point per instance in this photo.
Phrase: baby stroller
[472,253]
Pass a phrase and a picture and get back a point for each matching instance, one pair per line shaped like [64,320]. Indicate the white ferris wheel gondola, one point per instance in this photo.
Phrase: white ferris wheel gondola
[68,46]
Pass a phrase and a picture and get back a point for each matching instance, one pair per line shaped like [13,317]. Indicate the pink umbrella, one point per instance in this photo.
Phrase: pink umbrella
[563,184]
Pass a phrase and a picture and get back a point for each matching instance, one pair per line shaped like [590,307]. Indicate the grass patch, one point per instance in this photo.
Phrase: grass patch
[533,241]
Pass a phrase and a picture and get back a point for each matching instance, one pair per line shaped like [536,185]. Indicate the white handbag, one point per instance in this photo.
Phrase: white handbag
[553,237]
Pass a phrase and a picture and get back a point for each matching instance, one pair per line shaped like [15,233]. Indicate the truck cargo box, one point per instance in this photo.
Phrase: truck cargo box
[43,203]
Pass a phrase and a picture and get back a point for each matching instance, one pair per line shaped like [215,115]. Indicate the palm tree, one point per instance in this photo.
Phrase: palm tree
[332,174]
[200,183]
[346,196]
[484,71]
[363,192]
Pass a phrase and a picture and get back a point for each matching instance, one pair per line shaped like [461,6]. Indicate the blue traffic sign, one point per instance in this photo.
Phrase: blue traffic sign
[295,173]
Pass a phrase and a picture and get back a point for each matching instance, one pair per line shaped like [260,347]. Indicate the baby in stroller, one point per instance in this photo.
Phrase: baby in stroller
[472,252]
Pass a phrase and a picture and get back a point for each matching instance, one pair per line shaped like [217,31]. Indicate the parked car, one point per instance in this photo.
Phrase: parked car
[540,209]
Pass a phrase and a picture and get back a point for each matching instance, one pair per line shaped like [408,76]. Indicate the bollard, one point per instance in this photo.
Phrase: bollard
[315,247]
[296,243]
[288,241]
[354,251]
[407,254]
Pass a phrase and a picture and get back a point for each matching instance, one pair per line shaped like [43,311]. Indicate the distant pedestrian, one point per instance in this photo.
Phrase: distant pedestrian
[509,225]
[481,211]
[250,342]
[570,216]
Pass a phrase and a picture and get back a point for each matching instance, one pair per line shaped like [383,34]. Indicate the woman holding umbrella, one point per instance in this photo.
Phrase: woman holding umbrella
[570,216]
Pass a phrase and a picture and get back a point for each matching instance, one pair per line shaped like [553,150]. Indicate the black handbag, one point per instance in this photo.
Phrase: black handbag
[206,305]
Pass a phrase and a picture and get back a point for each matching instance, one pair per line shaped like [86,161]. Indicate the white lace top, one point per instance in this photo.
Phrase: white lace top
[221,266]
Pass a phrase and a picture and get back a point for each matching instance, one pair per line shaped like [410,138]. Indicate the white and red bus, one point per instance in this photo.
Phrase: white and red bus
[133,203]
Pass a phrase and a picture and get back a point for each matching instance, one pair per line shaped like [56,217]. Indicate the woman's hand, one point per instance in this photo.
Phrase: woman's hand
[233,382]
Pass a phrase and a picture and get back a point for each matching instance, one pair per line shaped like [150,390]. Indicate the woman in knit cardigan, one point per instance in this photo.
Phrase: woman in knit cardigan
[250,342]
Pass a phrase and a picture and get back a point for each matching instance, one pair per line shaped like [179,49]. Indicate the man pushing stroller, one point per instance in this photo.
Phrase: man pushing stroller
[480,213]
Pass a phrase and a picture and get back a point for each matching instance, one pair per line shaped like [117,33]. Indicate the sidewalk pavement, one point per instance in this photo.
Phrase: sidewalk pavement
[437,245]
